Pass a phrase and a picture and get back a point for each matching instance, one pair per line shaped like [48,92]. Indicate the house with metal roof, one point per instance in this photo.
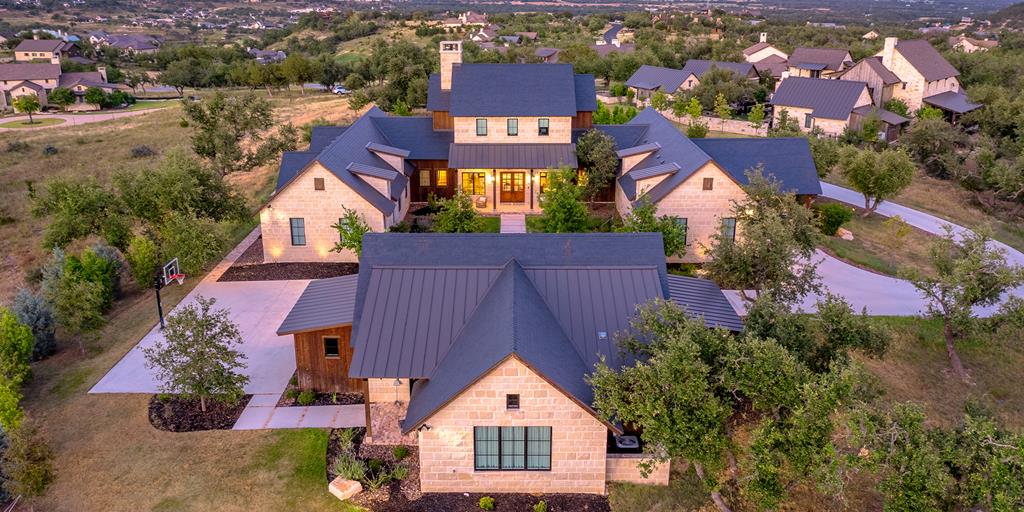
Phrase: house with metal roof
[927,77]
[649,79]
[41,78]
[831,106]
[45,50]
[762,50]
[494,133]
[476,348]
[818,62]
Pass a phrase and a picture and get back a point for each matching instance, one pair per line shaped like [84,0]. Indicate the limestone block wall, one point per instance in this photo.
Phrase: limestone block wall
[915,88]
[320,209]
[578,439]
[559,131]
[623,468]
[702,209]
[385,390]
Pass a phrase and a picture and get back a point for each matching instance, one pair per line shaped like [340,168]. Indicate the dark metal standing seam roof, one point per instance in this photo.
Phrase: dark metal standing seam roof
[322,136]
[828,99]
[416,135]
[699,68]
[675,148]
[324,303]
[513,90]
[293,162]
[953,101]
[875,63]
[926,59]
[39,45]
[655,77]
[788,160]
[511,156]
[700,297]
[883,115]
[29,71]
[831,58]
[586,93]
[437,100]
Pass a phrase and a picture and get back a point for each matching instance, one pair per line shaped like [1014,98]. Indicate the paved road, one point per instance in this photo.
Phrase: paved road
[73,119]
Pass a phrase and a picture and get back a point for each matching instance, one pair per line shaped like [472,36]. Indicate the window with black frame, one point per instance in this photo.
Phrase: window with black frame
[512,448]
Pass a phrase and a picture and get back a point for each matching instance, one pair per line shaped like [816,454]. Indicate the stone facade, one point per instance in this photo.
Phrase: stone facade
[830,127]
[764,53]
[385,390]
[492,184]
[702,209]
[319,209]
[559,131]
[914,88]
[623,468]
[578,439]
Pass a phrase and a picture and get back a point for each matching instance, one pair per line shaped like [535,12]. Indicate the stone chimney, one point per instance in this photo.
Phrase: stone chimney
[764,37]
[35,36]
[102,70]
[888,51]
[451,54]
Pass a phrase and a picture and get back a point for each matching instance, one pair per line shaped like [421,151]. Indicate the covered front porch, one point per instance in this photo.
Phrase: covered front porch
[504,190]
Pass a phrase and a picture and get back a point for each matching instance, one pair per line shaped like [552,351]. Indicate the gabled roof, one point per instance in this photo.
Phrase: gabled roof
[546,52]
[586,92]
[511,156]
[515,90]
[324,303]
[700,297]
[819,58]
[29,71]
[754,48]
[86,78]
[829,99]
[787,160]
[39,45]
[675,148]
[512,319]
[625,135]
[652,78]
[875,65]
[883,115]
[773,64]
[322,136]
[30,85]
[415,135]
[699,68]
[926,59]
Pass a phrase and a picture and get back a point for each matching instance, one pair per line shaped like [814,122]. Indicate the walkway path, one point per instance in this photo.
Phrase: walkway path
[262,413]
[72,119]
[513,223]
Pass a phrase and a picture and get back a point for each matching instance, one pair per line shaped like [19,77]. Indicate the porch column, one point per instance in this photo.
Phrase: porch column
[531,189]
[494,189]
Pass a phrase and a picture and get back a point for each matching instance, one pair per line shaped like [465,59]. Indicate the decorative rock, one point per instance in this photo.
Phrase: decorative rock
[344,489]
[845,234]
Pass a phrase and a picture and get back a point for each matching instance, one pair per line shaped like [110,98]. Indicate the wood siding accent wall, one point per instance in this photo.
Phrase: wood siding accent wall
[325,374]
[443,121]
[583,120]
[422,194]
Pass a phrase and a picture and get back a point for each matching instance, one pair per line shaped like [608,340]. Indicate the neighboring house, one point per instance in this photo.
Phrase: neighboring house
[476,347]
[547,55]
[528,36]
[773,65]
[970,45]
[820,103]
[510,40]
[484,35]
[267,56]
[131,44]
[494,133]
[870,36]
[926,76]
[45,50]
[603,50]
[762,50]
[648,79]
[22,78]
[818,62]
[882,83]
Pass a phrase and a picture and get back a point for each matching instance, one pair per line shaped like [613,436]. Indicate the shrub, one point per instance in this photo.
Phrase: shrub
[18,146]
[142,259]
[294,381]
[377,479]
[564,212]
[643,219]
[15,348]
[306,397]
[486,503]
[400,472]
[456,215]
[349,467]
[27,462]
[375,465]
[697,130]
[291,394]
[36,312]
[540,506]
[347,440]
[50,150]
[51,273]
[896,231]
[400,452]
[142,151]
[832,216]
[114,260]
[351,229]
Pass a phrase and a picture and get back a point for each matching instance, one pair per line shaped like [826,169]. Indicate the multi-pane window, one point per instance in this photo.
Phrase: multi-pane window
[681,222]
[332,347]
[512,448]
[542,180]
[442,177]
[542,126]
[298,227]
[424,177]
[808,121]
[473,183]
[481,127]
[709,183]
[512,127]
[729,228]
[512,402]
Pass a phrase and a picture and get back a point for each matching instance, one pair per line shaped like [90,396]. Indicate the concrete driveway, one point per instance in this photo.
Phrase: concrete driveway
[257,307]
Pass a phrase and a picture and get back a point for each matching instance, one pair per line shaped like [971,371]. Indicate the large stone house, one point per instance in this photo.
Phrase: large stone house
[818,62]
[494,133]
[45,50]
[831,106]
[762,50]
[475,348]
[926,77]
[41,78]
[650,79]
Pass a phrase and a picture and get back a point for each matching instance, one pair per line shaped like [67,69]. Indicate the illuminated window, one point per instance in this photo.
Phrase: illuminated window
[474,183]
[442,177]
[542,180]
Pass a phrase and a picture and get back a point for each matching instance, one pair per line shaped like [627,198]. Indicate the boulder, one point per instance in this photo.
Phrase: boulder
[344,489]
[845,234]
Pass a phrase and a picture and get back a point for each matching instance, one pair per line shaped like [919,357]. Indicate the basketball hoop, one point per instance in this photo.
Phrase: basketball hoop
[180,278]
[171,272]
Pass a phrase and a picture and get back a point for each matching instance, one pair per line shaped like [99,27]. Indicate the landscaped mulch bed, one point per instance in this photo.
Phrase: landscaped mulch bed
[405,495]
[289,398]
[250,267]
[175,414]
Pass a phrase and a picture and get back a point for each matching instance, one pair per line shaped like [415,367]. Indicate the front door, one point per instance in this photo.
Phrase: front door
[513,187]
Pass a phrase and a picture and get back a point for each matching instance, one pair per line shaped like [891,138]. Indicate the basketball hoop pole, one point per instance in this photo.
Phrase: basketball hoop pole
[158,283]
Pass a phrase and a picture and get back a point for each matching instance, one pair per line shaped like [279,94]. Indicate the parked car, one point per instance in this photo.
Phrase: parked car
[340,90]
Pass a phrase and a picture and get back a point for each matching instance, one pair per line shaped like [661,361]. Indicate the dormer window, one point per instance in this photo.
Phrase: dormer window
[481,127]
[512,125]
[542,126]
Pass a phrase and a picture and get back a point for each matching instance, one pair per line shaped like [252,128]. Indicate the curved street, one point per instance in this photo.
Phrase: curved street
[72,119]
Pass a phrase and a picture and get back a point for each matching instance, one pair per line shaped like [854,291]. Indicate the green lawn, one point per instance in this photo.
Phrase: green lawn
[37,122]
[595,224]
[875,248]
[489,225]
